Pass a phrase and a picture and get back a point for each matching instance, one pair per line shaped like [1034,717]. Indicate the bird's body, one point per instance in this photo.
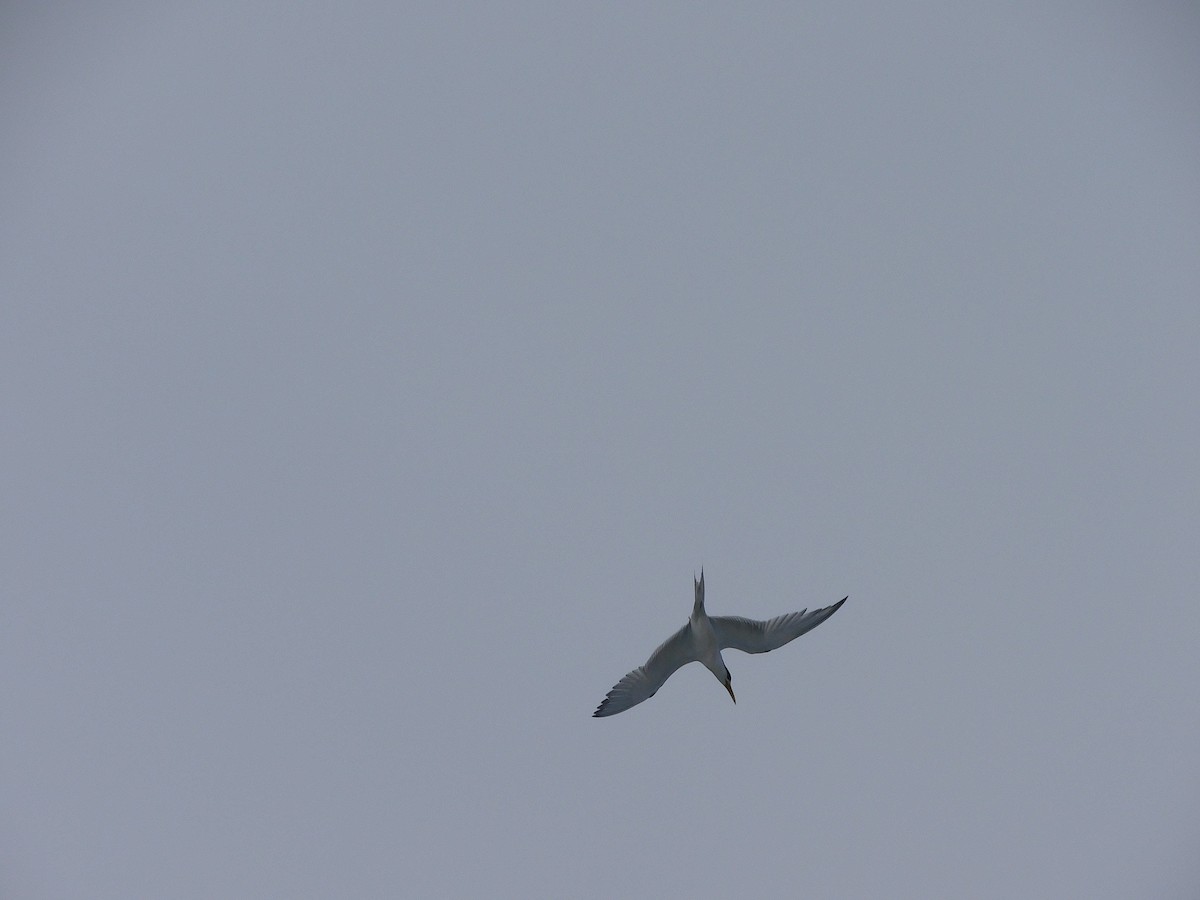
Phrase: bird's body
[701,640]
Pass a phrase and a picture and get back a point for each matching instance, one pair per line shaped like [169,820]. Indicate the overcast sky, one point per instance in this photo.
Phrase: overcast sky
[376,376]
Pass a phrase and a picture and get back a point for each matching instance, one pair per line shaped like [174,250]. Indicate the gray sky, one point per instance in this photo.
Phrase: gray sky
[375,380]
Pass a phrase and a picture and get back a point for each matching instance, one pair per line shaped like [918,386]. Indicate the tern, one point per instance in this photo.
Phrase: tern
[701,640]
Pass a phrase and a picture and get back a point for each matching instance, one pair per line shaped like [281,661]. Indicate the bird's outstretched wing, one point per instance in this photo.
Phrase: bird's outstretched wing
[753,636]
[644,681]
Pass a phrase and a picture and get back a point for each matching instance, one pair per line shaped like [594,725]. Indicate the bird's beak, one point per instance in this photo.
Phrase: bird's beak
[729,687]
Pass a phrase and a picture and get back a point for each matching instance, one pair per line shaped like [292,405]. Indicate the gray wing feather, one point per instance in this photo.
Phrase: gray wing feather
[644,681]
[752,636]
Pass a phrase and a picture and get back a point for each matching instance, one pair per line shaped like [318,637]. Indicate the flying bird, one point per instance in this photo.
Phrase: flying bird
[701,640]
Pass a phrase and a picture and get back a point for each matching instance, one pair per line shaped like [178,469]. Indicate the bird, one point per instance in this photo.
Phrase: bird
[701,640]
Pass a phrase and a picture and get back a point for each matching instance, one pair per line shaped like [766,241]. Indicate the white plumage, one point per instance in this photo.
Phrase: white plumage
[701,640]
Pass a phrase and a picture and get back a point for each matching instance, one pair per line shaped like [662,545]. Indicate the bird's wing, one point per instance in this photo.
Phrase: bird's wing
[753,636]
[644,681]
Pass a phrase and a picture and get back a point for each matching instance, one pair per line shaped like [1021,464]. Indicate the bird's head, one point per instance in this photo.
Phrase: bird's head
[716,665]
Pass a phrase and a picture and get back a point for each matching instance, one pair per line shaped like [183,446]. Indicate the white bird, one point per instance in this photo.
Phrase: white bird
[701,640]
